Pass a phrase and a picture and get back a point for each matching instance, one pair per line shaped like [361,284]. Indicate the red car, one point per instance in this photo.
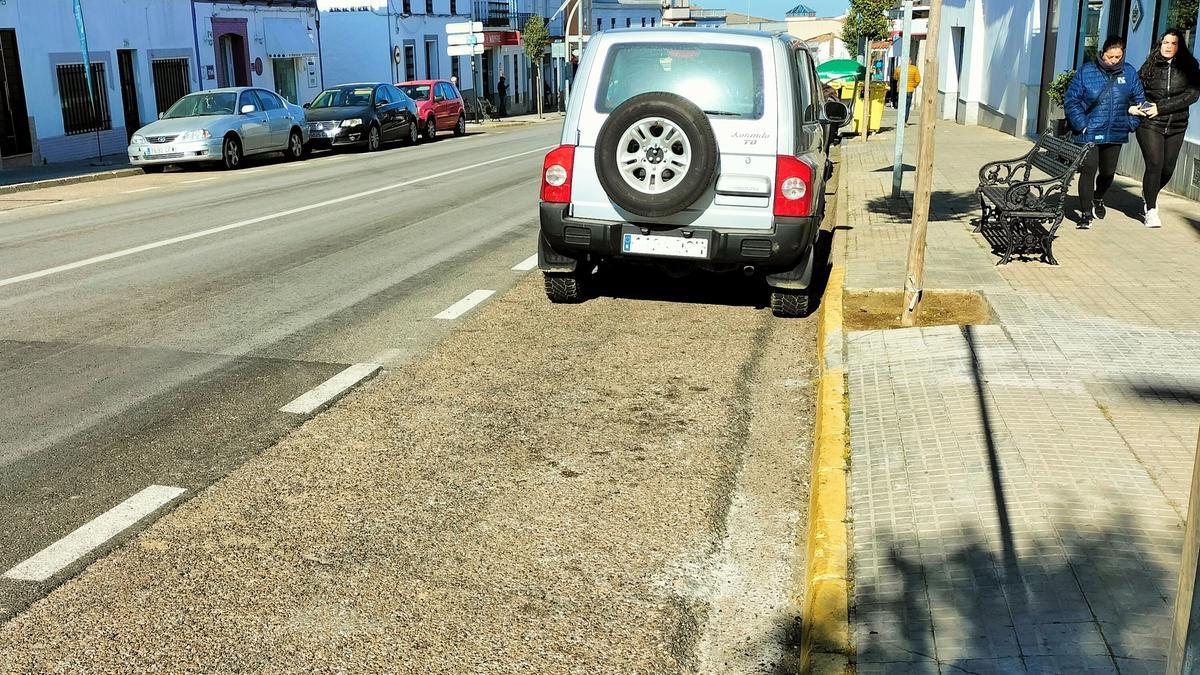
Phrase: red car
[439,106]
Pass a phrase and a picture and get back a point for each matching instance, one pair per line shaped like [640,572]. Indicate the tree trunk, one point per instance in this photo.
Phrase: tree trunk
[541,97]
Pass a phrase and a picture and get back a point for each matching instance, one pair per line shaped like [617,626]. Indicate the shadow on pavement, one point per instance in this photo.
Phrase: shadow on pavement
[1059,606]
[943,205]
[1059,595]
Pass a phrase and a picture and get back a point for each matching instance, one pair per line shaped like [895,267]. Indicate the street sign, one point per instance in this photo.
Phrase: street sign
[558,50]
[465,27]
[464,50]
[464,39]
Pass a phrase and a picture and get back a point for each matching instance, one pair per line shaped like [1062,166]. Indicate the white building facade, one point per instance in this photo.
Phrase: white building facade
[143,55]
[996,58]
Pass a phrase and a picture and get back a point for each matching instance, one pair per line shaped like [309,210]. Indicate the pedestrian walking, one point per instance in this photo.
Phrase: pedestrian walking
[502,90]
[913,76]
[1171,78]
[1103,105]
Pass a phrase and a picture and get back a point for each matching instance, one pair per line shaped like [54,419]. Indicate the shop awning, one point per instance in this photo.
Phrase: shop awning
[287,38]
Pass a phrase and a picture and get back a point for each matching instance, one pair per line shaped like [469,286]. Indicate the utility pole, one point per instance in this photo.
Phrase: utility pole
[1184,654]
[914,276]
[902,100]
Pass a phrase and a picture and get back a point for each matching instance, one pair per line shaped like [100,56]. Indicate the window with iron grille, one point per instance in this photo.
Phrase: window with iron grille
[80,116]
[599,24]
[171,81]
[410,63]
[628,22]
[429,6]
[454,7]
[407,7]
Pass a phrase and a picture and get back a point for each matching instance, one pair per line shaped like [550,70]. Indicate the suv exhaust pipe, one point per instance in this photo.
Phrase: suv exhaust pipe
[748,270]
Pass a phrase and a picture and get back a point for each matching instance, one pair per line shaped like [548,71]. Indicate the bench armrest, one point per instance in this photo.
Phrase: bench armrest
[1036,195]
[1003,171]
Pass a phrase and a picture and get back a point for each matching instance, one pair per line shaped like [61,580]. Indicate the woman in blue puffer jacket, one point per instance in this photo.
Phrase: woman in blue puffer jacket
[1103,105]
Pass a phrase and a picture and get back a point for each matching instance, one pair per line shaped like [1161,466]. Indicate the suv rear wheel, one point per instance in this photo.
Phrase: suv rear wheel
[789,303]
[565,288]
[656,154]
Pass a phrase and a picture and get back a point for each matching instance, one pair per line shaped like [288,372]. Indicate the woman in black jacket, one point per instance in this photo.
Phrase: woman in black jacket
[1171,78]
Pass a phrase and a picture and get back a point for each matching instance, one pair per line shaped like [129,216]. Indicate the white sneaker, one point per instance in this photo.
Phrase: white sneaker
[1152,219]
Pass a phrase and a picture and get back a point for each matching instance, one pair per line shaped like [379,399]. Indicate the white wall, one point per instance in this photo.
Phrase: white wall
[46,37]
[307,87]
[357,46]
[997,82]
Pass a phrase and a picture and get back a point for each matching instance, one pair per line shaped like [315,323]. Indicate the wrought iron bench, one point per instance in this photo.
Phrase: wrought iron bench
[1022,211]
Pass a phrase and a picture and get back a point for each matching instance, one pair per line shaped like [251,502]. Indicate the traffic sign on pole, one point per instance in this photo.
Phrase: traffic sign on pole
[464,39]
[464,50]
[465,27]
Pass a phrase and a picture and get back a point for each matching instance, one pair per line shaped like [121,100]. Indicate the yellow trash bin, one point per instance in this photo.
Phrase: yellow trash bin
[878,94]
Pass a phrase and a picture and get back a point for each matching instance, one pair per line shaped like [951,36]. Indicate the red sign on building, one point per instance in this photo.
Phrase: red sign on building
[499,38]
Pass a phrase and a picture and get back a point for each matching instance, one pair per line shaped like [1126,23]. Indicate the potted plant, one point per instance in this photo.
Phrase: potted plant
[1056,91]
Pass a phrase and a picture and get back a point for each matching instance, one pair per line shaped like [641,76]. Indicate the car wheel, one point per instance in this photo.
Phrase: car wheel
[374,139]
[295,148]
[656,154]
[431,129]
[789,303]
[231,153]
[414,133]
[564,288]
[460,129]
[153,168]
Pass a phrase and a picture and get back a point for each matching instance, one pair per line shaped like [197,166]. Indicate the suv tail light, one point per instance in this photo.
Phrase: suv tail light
[557,170]
[793,187]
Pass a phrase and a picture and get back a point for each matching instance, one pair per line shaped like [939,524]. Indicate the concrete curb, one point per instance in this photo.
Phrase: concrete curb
[825,617]
[68,180]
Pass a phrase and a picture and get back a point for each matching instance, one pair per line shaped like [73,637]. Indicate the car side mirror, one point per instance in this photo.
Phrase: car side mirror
[248,108]
[837,113]
[161,115]
[307,104]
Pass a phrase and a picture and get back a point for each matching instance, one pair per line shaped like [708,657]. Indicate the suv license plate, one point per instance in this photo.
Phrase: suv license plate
[654,244]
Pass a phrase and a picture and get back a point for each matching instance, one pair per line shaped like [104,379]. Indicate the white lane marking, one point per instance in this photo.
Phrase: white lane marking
[199,180]
[57,556]
[526,264]
[145,189]
[254,221]
[71,201]
[465,305]
[335,386]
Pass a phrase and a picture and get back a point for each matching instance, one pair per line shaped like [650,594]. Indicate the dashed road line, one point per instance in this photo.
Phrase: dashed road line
[465,305]
[57,556]
[198,180]
[331,389]
[526,264]
[145,189]
[261,219]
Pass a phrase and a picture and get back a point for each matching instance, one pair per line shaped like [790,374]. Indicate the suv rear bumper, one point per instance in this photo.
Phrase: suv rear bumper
[782,247]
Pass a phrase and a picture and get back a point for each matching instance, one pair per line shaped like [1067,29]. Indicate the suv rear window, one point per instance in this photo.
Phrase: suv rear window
[723,80]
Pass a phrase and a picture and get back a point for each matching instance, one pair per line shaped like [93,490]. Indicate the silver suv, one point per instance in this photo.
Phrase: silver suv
[707,147]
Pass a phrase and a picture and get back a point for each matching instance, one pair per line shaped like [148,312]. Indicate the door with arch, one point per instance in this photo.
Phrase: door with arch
[232,44]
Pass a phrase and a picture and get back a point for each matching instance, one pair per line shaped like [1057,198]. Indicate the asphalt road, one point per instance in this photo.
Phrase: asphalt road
[166,361]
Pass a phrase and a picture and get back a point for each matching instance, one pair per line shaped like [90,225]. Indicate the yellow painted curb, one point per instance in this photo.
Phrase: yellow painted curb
[825,645]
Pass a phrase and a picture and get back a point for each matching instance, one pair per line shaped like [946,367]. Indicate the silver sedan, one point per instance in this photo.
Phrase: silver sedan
[221,125]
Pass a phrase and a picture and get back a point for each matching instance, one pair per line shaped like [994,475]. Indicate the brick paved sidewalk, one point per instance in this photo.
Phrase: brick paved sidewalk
[1017,490]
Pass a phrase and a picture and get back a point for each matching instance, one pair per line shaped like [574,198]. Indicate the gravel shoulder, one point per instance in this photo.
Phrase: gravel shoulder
[614,486]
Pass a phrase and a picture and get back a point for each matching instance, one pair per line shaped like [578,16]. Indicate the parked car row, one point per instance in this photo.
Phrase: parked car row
[224,126]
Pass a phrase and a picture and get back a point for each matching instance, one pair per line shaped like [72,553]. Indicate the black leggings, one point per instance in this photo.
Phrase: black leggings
[1160,152]
[1103,158]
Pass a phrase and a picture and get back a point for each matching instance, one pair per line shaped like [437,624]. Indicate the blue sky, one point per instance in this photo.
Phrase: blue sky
[775,9]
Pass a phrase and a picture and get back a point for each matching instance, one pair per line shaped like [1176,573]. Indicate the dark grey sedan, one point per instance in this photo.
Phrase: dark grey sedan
[363,115]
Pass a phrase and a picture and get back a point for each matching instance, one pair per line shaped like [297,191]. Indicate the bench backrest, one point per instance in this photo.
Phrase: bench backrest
[1057,157]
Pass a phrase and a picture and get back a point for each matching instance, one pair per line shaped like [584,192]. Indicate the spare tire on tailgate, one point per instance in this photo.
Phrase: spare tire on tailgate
[656,154]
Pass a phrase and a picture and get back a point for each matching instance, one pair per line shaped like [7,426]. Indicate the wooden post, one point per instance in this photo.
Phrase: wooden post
[914,276]
[1184,654]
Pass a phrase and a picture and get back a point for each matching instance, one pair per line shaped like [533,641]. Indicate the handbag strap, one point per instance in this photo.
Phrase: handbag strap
[1104,92]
